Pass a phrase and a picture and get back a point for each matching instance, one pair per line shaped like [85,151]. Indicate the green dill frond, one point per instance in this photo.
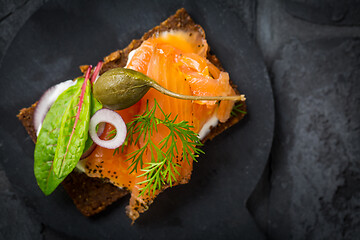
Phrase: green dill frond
[162,169]
[110,135]
[237,109]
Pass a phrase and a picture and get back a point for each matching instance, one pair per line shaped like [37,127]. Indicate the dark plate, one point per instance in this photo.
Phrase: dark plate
[65,34]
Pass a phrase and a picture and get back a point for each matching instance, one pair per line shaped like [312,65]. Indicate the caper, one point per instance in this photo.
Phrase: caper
[120,88]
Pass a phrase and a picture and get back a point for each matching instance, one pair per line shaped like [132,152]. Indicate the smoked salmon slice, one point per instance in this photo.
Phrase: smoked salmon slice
[177,61]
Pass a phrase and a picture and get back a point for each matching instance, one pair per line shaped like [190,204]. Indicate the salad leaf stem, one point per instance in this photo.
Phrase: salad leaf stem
[96,71]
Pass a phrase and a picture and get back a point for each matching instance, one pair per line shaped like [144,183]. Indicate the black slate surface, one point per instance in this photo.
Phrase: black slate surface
[314,172]
[310,190]
[341,13]
[315,183]
[50,46]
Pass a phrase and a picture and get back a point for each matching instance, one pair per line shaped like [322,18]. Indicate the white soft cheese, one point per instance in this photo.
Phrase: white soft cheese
[60,88]
[131,54]
[205,130]
[80,166]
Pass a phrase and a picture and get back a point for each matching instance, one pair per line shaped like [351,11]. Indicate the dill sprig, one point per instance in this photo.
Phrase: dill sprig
[237,109]
[110,135]
[162,169]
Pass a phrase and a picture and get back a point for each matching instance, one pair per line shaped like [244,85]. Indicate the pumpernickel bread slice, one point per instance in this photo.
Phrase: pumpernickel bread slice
[92,195]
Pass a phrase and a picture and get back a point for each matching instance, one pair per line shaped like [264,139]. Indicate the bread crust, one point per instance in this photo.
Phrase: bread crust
[92,195]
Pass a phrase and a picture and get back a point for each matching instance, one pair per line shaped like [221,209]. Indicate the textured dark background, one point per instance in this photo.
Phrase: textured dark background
[311,188]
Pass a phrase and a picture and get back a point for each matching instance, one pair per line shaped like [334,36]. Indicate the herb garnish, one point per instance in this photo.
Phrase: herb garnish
[162,169]
[237,109]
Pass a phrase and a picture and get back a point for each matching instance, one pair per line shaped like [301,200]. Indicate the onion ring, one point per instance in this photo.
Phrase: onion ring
[113,118]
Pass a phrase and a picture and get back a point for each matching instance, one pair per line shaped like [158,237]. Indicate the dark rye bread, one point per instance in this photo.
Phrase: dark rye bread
[92,195]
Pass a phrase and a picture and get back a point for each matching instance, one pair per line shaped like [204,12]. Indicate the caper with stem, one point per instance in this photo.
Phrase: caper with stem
[120,88]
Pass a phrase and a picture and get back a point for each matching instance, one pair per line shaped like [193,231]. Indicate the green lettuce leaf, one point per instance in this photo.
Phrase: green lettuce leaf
[95,106]
[73,132]
[57,120]
[47,141]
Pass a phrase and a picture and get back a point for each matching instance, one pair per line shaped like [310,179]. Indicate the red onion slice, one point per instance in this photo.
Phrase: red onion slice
[46,101]
[113,118]
[88,152]
[101,129]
